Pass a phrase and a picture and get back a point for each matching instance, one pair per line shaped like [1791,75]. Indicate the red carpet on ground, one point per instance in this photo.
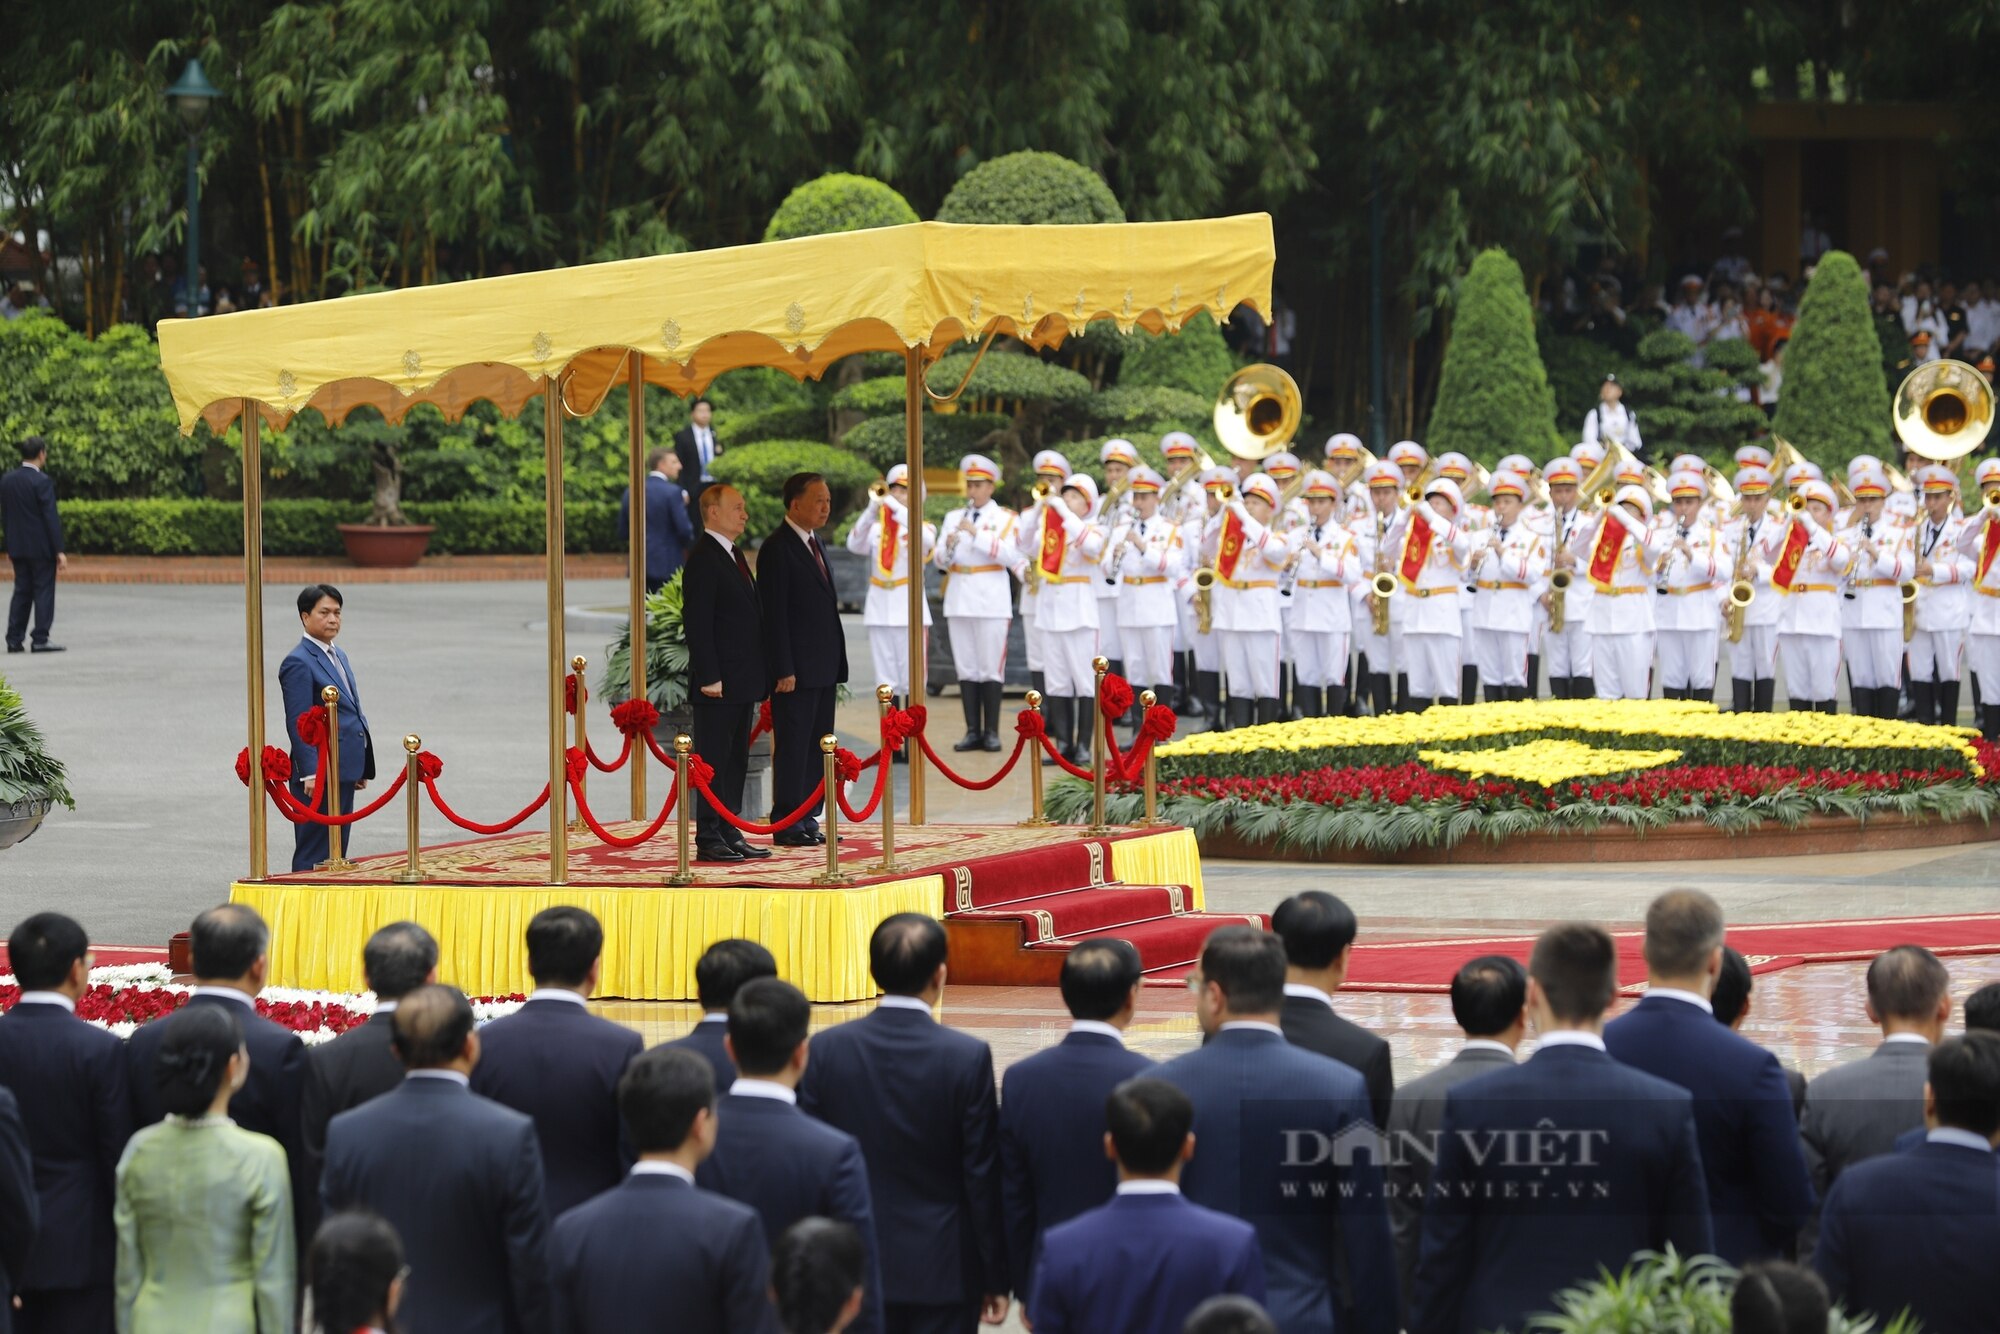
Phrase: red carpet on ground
[106,956]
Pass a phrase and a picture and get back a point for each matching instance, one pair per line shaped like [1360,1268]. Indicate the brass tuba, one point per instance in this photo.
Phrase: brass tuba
[1943,410]
[1258,411]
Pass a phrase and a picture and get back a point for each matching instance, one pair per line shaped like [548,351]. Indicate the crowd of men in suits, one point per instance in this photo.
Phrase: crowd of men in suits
[547,1172]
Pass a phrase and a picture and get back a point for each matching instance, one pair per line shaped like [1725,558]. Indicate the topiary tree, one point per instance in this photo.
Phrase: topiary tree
[1196,359]
[1493,395]
[1835,402]
[1031,187]
[1688,409]
[838,202]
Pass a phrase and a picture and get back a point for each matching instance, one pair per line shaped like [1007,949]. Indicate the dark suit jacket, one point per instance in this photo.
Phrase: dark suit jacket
[1267,1117]
[1758,1192]
[558,1063]
[75,1094]
[669,525]
[1143,1262]
[358,1065]
[787,1166]
[1311,1023]
[1052,1163]
[301,676]
[1500,1240]
[659,1253]
[725,632]
[20,1209]
[802,634]
[28,514]
[1414,1118]
[691,464]
[706,1037]
[1917,1229]
[268,1103]
[460,1179]
[919,1098]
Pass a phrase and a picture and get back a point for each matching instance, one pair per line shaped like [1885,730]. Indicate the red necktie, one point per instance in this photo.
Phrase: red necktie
[744,566]
[820,556]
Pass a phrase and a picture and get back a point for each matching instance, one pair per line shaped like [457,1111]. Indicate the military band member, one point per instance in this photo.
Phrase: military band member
[1142,559]
[1283,469]
[1216,483]
[1382,654]
[1753,539]
[1694,573]
[882,536]
[1942,572]
[1611,421]
[1871,600]
[1343,460]
[1054,469]
[1411,458]
[1621,569]
[1809,602]
[976,551]
[1474,518]
[1429,551]
[1247,554]
[1179,448]
[1326,565]
[1116,459]
[1507,569]
[1979,542]
[1588,454]
[1567,651]
[1068,551]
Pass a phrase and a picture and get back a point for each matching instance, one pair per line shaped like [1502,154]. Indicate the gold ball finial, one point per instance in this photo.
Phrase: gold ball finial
[330,695]
[885,694]
[1100,665]
[1034,699]
[683,743]
[1148,698]
[413,743]
[578,663]
[828,743]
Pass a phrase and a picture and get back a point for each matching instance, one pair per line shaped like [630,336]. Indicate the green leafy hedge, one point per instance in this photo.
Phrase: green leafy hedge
[1576,367]
[1130,406]
[948,437]
[780,421]
[1009,376]
[1031,187]
[838,202]
[306,527]
[1196,360]
[1493,395]
[884,393]
[1836,400]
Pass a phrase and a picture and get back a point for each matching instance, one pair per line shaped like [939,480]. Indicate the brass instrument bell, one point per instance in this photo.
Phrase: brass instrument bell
[1258,411]
[1943,410]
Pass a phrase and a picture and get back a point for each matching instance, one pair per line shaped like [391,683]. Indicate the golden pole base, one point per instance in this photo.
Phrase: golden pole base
[832,875]
[408,878]
[335,864]
[1033,756]
[679,881]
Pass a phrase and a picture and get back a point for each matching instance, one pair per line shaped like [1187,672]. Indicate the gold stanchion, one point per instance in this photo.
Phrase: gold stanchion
[1147,699]
[1035,818]
[330,780]
[683,794]
[1098,666]
[253,626]
[552,523]
[884,695]
[577,824]
[913,457]
[635,420]
[832,874]
[413,867]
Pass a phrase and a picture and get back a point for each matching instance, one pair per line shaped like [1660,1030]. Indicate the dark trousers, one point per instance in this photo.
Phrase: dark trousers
[654,585]
[34,586]
[310,842]
[721,737]
[65,1311]
[799,718]
[903,1318]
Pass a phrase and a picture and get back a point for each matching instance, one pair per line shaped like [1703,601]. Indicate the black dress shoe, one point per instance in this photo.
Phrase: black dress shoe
[970,741]
[794,841]
[819,839]
[749,851]
[716,852]
[47,648]
[17,648]
[989,741]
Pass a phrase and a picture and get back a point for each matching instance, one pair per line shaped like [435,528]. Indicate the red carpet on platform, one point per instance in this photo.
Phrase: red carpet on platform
[106,956]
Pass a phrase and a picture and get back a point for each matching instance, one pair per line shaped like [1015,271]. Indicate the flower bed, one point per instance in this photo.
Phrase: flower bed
[1499,771]
[122,998]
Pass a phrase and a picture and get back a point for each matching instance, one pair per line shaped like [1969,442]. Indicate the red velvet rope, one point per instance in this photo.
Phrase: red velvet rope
[615,765]
[614,840]
[867,812]
[430,786]
[635,716]
[569,692]
[763,723]
[297,813]
[974,785]
[653,744]
[1049,747]
[700,782]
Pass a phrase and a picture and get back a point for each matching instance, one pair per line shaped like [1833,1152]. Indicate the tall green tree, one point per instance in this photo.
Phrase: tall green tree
[1835,402]
[1494,397]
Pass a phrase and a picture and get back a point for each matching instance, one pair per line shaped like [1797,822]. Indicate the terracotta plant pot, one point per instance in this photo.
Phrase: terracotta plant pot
[385,548]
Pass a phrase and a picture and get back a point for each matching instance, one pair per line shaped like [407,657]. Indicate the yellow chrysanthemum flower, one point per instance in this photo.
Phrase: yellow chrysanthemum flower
[1547,762]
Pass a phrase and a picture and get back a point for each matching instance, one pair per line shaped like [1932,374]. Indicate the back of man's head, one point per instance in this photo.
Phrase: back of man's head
[1576,966]
[1778,1297]
[1098,977]
[1315,927]
[1982,1009]
[1487,995]
[563,943]
[656,459]
[431,1025]
[1732,986]
[1965,1081]
[1683,927]
[32,448]
[227,941]
[1231,1314]
[1149,1120]
[660,1094]
[1907,982]
[398,959]
[725,966]
[905,953]
[767,1021]
[44,949]
[1248,965]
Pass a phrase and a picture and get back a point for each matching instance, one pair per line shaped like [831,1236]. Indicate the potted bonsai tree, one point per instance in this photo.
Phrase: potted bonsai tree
[386,537]
[31,780]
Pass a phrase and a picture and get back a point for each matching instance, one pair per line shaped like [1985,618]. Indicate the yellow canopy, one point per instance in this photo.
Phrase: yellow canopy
[796,305]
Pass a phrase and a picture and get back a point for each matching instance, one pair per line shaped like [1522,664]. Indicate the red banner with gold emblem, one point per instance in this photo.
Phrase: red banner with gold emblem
[1417,538]
[890,540]
[1988,548]
[1790,556]
[1229,551]
[1604,553]
[1053,538]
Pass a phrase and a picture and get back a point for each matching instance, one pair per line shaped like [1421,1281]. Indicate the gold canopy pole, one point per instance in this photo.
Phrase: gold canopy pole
[636,415]
[253,627]
[913,435]
[552,488]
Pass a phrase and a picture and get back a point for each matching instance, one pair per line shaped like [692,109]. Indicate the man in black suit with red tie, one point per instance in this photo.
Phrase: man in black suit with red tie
[728,673]
[807,651]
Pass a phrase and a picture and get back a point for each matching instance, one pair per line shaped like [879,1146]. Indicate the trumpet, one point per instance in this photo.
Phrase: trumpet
[1991,500]
[878,490]
[1795,502]
[1204,598]
[1909,592]
[1559,583]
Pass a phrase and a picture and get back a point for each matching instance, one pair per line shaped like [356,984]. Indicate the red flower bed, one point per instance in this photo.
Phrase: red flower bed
[142,1005]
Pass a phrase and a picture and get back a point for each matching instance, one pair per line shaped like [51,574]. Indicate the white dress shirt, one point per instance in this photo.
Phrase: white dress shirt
[1256,1025]
[557,994]
[1570,1037]
[227,993]
[458,1077]
[1685,997]
[1965,1139]
[656,1168]
[1487,1044]
[763,1088]
[1097,1026]
[1305,992]
[904,1003]
[1906,1037]
[47,998]
[1149,1186]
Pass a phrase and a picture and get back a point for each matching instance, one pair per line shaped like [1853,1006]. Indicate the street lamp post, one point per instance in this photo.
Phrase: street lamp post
[190,96]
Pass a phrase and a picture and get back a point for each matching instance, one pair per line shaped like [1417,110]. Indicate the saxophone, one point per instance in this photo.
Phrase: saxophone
[1383,586]
[1742,592]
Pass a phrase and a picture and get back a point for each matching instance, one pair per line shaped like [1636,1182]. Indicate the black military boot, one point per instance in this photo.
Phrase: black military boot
[1989,721]
[901,754]
[1533,689]
[1336,701]
[1706,695]
[1241,712]
[1468,684]
[1800,705]
[1764,695]
[1417,704]
[1402,704]
[1270,711]
[1208,689]
[990,698]
[1308,701]
[1923,695]
[1740,695]
[1947,696]
[968,700]
[1378,694]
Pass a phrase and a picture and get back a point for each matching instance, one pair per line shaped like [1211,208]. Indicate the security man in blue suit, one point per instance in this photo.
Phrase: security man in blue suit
[669,520]
[723,969]
[1275,1123]
[312,665]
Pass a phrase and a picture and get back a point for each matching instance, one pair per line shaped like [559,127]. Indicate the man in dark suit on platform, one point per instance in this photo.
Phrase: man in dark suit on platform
[1919,1229]
[728,671]
[34,544]
[919,1098]
[362,1063]
[1318,931]
[314,664]
[1731,1002]
[231,948]
[1489,998]
[772,1156]
[698,449]
[721,972]
[658,1247]
[1271,1120]
[806,649]
[1052,1160]
[458,1176]
[1149,1257]
[669,518]
[558,1063]
[1553,1168]
[1758,1192]
[72,1084]
[20,1207]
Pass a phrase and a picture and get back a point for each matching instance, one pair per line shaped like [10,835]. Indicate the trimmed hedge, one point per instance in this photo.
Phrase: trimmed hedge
[306,527]
[838,202]
[1008,375]
[1196,360]
[1836,400]
[781,421]
[1493,394]
[1135,406]
[948,437]
[1031,187]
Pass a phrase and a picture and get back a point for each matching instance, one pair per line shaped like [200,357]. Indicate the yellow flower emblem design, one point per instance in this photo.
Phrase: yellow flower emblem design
[1547,762]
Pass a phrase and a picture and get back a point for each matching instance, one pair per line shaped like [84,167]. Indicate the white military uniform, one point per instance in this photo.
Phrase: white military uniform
[1194,528]
[1809,617]
[1052,468]
[1754,657]
[1374,545]
[1149,558]
[1068,610]
[1983,625]
[1329,565]
[1246,619]
[1433,631]
[977,551]
[1507,584]
[1944,610]
[1566,653]
[1608,422]
[886,612]
[1688,620]
[1871,609]
[1621,611]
